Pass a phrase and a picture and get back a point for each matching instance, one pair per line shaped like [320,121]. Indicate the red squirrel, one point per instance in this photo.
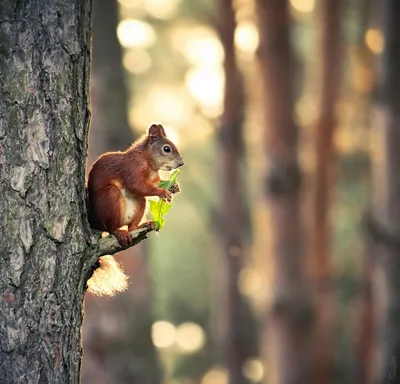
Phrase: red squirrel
[119,182]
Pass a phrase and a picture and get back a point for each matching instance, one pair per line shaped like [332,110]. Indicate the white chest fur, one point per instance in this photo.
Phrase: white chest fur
[130,206]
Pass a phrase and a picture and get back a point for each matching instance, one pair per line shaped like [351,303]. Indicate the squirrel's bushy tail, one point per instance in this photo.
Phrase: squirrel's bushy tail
[108,279]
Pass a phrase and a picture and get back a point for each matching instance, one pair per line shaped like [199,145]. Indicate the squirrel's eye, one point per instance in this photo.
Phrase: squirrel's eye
[167,148]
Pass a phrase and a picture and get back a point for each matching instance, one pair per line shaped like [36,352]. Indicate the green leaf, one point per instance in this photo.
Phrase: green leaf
[160,208]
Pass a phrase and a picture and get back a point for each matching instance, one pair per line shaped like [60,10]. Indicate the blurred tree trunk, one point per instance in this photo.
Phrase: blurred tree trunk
[321,233]
[365,343]
[365,340]
[234,314]
[46,250]
[386,196]
[117,330]
[110,130]
[289,322]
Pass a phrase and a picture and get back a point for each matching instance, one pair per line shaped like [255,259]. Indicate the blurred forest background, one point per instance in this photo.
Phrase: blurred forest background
[279,261]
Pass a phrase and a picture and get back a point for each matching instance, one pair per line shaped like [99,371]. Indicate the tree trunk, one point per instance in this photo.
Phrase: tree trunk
[47,249]
[45,252]
[366,330]
[235,316]
[110,350]
[386,197]
[290,319]
[325,157]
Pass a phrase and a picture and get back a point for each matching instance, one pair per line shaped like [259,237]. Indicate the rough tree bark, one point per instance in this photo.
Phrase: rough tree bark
[234,314]
[289,321]
[386,194]
[321,233]
[111,350]
[47,249]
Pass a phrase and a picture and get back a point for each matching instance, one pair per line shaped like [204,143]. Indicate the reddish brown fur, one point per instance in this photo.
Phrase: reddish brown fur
[136,172]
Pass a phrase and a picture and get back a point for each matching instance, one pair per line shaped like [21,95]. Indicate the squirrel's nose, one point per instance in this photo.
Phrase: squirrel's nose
[181,163]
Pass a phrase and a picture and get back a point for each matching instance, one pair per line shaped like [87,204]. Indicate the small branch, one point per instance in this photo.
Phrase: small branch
[110,245]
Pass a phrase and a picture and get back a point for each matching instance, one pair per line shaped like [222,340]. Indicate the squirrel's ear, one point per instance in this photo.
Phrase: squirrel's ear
[155,132]
[162,132]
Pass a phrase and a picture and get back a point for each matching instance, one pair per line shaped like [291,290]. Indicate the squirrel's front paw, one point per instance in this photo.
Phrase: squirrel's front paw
[175,188]
[166,196]
[148,224]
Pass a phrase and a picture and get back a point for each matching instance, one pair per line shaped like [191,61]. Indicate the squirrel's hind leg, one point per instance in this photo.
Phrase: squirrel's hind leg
[123,237]
[108,211]
[139,213]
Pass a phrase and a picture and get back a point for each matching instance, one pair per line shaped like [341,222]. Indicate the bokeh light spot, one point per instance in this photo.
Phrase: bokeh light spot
[162,9]
[304,6]
[135,33]
[246,37]
[130,3]
[374,40]
[136,60]
[190,337]
[206,85]
[204,52]
[163,334]
[249,281]
[216,376]
[253,370]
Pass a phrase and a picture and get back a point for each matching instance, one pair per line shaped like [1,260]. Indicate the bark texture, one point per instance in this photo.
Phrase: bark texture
[321,233]
[116,331]
[386,197]
[45,253]
[289,321]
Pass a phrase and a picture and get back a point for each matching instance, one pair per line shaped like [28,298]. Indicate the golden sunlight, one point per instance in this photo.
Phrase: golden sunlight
[205,51]
[253,370]
[246,37]
[215,376]
[374,40]
[136,60]
[303,6]
[190,337]
[200,45]
[162,9]
[249,281]
[165,103]
[163,334]
[135,33]
[306,110]
[363,79]
[130,3]
[206,85]
[167,106]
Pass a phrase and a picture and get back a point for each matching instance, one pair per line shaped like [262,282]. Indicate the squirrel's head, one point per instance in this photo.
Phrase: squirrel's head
[164,153]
